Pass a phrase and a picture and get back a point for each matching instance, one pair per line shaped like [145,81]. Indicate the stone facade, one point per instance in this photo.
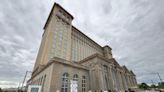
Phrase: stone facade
[67,55]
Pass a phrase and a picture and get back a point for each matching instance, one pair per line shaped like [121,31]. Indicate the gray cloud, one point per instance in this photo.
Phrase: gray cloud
[19,37]
[133,28]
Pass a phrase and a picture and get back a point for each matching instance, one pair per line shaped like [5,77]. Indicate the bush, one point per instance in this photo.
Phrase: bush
[143,86]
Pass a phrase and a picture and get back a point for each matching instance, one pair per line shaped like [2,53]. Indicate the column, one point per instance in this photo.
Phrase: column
[127,80]
[114,77]
[110,78]
[91,80]
[123,81]
[130,82]
[118,79]
[99,75]
[135,80]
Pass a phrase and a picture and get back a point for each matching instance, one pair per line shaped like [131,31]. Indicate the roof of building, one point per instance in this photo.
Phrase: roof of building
[107,46]
[126,69]
[112,60]
[73,27]
[132,72]
[58,60]
[55,5]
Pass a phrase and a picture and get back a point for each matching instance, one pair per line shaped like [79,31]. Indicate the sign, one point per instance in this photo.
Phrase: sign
[34,88]
[73,86]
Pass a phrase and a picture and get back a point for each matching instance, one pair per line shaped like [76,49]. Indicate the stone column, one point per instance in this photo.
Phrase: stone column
[107,78]
[123,81]
[104,81]
[91,87]
[133,81]
[120,80]
[110,78]
[117,79]
[94,78]
[113,78]
[130,82]
[99,78]
[131,77]
[127,80]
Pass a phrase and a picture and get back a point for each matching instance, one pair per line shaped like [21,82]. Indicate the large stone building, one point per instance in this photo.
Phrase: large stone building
[69,60]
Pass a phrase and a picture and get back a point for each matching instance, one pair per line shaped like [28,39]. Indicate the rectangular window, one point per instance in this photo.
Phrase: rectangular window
[83,84]
[34,90]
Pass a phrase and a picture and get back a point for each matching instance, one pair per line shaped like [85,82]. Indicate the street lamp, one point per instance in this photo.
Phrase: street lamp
[25,78]
[158,76]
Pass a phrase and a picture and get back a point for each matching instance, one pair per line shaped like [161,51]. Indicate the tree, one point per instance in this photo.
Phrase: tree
[143,86]
[161,85]
[153,86]
[0,90]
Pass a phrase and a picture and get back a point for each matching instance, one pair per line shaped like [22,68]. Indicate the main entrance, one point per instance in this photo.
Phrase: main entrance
[73,85]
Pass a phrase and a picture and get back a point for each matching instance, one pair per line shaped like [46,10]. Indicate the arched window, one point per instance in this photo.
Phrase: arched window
[64,82]
[83,84]
[75,77]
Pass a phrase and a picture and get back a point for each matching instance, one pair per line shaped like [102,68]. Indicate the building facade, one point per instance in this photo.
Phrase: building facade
[69,60]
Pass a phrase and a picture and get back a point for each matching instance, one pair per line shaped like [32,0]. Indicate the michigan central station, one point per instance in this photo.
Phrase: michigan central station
[68,57]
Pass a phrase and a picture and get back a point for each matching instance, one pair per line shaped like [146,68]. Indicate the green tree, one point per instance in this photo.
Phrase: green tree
[0,90]
[143,86]
[153,86]
[161,85]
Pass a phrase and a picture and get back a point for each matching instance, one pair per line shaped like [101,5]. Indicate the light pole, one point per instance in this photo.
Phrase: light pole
[25,78]
[152,82]
[158,76]
[18,86]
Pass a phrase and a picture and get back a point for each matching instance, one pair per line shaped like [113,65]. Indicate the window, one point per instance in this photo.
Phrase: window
[64,83]
[83,84]
[41,80]
[44,80]
[75,77]
[105,68]
[34,90]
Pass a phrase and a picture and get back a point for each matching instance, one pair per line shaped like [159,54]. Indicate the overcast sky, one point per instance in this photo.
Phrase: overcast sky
[134,29]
